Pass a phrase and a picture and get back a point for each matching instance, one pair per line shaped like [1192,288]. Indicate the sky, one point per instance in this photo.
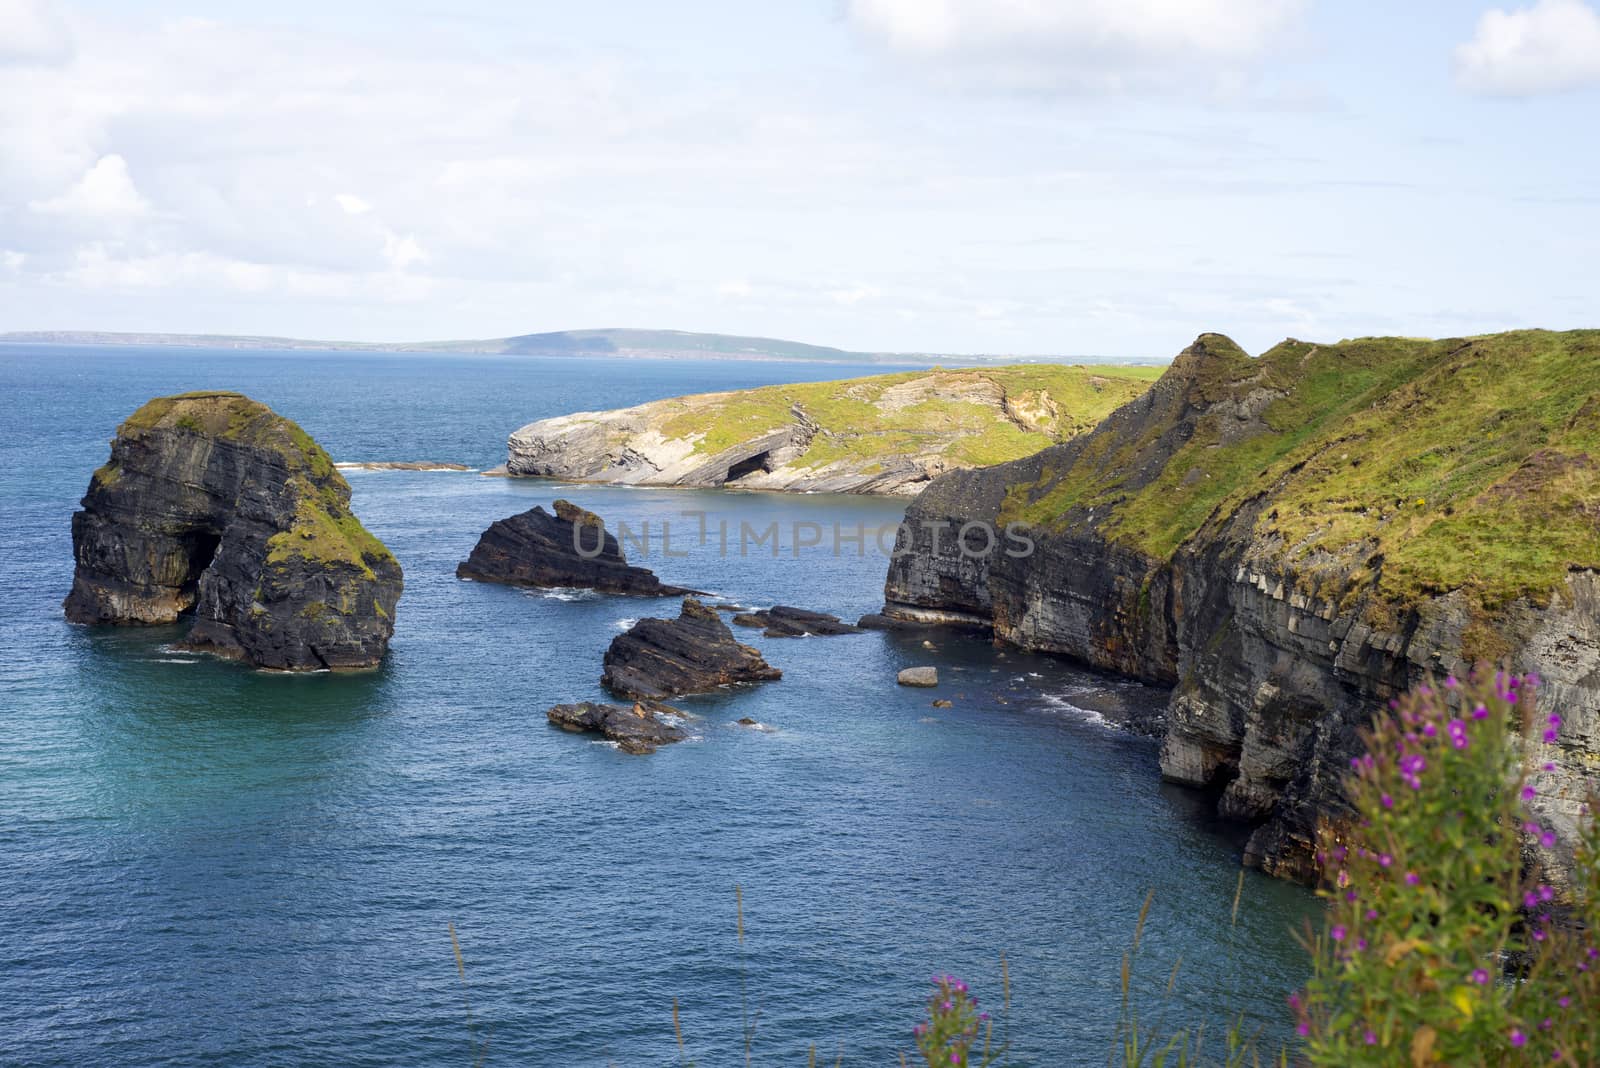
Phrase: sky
[1075,177]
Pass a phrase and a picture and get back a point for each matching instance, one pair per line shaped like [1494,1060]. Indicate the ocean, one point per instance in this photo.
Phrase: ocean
[201,864]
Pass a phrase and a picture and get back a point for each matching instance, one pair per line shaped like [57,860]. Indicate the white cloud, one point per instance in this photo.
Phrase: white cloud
[1097,43]
[32,32]
[351,204]
[104,268]
[737,288]
[11,260]
[105,191]
[855,295]
[402,252]
[1551,46]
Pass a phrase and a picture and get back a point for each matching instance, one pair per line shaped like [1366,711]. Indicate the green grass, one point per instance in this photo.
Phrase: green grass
[324,529]
[1432,465]
[857,424]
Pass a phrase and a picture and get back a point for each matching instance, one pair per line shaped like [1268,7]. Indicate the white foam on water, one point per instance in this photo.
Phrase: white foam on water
[625,624]
[171,660]
[563,593]
[1057,703]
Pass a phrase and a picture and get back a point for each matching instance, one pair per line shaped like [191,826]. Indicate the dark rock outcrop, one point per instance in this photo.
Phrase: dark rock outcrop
[637,728]
[782,621]
[695,653]
[568,550]
[213,503]
[1290,540]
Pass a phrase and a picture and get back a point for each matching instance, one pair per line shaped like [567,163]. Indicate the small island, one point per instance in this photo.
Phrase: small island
[215,506]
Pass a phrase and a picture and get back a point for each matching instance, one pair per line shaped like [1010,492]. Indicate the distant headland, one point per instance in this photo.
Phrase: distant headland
[625,343]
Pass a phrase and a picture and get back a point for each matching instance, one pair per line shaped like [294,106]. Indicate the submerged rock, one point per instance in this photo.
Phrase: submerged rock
[215,504]
[918,676]
[638,728]
[695,653]
[569,550]
[782,621]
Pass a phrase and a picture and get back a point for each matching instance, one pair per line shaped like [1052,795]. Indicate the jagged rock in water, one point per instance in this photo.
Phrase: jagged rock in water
[782,621]
[1290,540]
[637,728]
[918,676]
[695,653]
[213,503]
[570,549]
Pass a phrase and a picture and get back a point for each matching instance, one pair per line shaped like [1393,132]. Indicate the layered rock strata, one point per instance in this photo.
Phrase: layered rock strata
[213,505]
[568,550]
[695,653]
[1288,541]
[783,621]
[639,728]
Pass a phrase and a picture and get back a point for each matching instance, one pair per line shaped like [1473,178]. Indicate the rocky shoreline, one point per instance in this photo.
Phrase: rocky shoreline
[886,434]
[1278,640]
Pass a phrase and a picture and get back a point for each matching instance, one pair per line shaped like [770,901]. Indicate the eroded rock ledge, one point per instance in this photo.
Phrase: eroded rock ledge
[1290,540]
[214,504]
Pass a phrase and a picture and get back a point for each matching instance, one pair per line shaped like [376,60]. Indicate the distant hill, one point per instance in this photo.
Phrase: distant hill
[644,344]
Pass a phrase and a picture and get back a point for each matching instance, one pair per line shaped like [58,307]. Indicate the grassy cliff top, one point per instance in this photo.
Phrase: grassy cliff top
[971,416]
[1422,466]
[324,529]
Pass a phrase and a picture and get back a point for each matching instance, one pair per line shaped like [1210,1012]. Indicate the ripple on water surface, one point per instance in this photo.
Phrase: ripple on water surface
[204,864]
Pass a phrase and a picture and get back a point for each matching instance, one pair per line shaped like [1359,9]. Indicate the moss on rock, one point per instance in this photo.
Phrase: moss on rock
[1431,466]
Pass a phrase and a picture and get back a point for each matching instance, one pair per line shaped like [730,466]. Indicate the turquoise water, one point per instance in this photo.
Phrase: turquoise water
[202,864]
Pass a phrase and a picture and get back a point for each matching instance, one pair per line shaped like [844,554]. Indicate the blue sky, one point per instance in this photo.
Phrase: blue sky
[1002,176]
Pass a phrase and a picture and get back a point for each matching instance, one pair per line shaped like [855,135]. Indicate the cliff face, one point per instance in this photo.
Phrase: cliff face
[886,434]
[1290,540]
[213,503]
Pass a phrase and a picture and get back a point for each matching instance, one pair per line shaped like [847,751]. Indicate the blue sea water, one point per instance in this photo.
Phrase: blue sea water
[206,865]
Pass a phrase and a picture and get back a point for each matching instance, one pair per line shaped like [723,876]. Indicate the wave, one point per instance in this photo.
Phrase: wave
[1058,703]
[563,593]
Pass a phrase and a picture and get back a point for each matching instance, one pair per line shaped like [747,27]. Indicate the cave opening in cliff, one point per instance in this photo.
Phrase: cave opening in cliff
[200,546]
[759,462]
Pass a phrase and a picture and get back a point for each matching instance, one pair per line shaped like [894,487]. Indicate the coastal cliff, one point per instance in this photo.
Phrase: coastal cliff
[1290,540]
[213,504]
[885,434]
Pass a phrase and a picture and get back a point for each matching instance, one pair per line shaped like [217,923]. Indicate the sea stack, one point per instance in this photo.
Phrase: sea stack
[568,550]
[214,504]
